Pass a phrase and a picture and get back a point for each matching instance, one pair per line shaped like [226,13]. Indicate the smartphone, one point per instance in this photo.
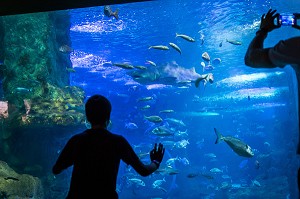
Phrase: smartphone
[287,20]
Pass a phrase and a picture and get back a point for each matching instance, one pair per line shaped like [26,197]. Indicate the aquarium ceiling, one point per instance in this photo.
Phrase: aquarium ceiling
[12,7]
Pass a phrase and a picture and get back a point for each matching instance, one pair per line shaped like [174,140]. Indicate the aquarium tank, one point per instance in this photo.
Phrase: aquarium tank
[180,61]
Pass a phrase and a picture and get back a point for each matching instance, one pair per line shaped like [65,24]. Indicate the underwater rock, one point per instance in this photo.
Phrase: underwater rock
[21,186]
[35,79]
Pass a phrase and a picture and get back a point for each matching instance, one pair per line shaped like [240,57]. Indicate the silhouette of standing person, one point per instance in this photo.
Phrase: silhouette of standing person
[285,52]
[96,153]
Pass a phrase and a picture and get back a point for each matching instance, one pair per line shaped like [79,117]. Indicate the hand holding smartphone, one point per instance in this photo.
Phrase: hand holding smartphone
[289,20]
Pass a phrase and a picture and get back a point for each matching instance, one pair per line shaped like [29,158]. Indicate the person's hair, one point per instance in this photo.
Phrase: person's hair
[97,109]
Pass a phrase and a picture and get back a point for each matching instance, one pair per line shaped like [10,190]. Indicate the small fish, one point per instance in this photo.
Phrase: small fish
[202,38]
[167,111]
[216,170]
[22,90]
[209,176]
[144,99]
[176,121]
[137,181]
[257,164]
[153,118]
[221,44]
[157,183]
[256,183]
[151,62]
[125,66]
[175,47]
[71,70]
[65,49]
[145,107]
[141,67]
[11,178]
[192,175]
[163,131]
[108,12]
[159,47]
[234,42]
[188,38]
[131,125]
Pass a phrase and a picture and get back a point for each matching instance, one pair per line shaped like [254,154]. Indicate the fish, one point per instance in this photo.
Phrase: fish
[137,181]
[153,118]
[167,111]
[141,67]
[144,99]
[157,183]
[192,175]
[216,170]
[207,176]
[163,131]
[176,121]
[22,90]
[109,13]
[234,42]
[145,107]
[238,146]
[188,38]
[210,155]
[175,47]
[65,49]
[182,144]
[71,70]
[257,164]
[256,183]
[124,66]
[159,47]
[131,125]
[11,178]
[221,44]
[201,38]
[167,171]
[151,63]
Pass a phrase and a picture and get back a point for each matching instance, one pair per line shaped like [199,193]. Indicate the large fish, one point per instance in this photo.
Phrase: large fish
[238,146]
[109,13]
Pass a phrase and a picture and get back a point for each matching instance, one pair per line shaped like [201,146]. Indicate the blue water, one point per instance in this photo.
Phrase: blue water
[257,106]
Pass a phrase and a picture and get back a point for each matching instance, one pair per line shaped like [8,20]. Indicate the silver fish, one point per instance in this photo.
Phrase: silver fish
[153,118]
[238,146]
[159,47]
[151,62]
[188,38]
[175,47]
[125,66]
[234,42]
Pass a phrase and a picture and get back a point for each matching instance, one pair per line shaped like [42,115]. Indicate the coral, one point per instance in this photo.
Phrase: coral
[14,185]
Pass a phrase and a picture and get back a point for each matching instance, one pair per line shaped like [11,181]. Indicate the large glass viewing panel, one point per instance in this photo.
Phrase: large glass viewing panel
[182,61]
